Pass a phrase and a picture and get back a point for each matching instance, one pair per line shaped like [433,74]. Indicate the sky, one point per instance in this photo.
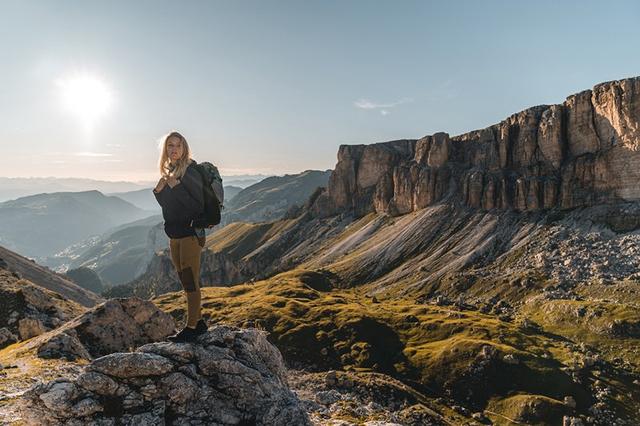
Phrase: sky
[88,88]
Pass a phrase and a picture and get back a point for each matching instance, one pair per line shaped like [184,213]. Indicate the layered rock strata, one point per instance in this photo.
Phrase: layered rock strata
[583,152]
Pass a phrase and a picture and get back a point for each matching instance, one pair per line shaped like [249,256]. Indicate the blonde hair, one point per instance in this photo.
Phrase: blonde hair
[166,168]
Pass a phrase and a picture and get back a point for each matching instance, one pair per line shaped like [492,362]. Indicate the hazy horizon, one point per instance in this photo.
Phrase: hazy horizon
[88,88]
[12,188]
[227,177]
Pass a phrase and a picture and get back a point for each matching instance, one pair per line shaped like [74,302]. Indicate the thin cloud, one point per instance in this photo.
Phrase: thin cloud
[264,171]
[368,104]
[92,154]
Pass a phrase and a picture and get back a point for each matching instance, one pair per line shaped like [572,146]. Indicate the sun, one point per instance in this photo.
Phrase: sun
[86,97]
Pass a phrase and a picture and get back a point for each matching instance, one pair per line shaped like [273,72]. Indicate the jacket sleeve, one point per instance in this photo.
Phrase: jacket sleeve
[189,193]
[161,196]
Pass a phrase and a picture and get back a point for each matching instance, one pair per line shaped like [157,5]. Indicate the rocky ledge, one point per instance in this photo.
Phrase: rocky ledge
[229,376]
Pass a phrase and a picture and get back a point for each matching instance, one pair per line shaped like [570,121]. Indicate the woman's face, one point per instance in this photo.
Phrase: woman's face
[174,148]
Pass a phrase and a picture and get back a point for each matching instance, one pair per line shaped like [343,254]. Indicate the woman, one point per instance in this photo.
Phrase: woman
[179,193]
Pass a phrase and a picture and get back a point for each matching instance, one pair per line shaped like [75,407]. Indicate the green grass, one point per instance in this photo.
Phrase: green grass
[527,409]
[430,347]
[589,322]
[239,239]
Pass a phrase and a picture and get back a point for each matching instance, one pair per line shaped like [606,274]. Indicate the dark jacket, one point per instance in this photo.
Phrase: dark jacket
[181,204]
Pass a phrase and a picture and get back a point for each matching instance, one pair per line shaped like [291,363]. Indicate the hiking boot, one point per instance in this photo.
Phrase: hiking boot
[201,326]
[187,334]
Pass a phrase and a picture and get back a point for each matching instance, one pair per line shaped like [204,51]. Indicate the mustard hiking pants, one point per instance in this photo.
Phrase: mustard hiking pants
[185,256]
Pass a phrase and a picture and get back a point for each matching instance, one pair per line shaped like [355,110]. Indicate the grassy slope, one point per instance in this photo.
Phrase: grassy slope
[432,348]
[239,239]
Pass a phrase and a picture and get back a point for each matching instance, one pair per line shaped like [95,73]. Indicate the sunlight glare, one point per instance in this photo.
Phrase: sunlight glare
[86,97]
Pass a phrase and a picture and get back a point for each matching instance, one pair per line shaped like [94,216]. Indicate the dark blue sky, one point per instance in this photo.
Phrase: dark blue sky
[276,86]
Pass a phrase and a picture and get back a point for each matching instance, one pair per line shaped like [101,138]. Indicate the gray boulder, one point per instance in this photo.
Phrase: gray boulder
[229,376]
[116,325]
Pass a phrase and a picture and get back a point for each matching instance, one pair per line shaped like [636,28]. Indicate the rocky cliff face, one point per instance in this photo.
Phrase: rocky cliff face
[582,152]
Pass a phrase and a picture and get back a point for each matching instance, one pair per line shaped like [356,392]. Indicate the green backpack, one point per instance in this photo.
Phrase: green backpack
[213,195]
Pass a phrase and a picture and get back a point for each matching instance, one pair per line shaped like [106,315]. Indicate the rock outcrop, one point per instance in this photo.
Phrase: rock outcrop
[583,152]
[230,376]
[27,310]
[115,325]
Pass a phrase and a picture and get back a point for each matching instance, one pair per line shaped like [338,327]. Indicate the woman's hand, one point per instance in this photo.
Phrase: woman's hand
[172,181]
[161,183]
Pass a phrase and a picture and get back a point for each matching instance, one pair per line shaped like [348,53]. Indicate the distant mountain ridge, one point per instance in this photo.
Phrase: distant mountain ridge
[41,225]
[17,187]
[122,253]
[270,198]
[144,199]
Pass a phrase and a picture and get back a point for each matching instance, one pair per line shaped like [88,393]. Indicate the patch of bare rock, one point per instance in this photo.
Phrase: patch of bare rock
[27,310]
[229,376]
[341,398]
[119,324]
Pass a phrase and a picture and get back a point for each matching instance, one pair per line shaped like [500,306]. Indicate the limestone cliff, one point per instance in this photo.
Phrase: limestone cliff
[583,152]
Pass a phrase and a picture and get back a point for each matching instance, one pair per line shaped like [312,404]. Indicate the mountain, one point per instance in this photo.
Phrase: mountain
[122,253]
[23,268]
[144,199]
[141,198]
[582,152]
[271,197]
[243,181]
[41,225]
[533,223]
[17,187]
[231,191]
